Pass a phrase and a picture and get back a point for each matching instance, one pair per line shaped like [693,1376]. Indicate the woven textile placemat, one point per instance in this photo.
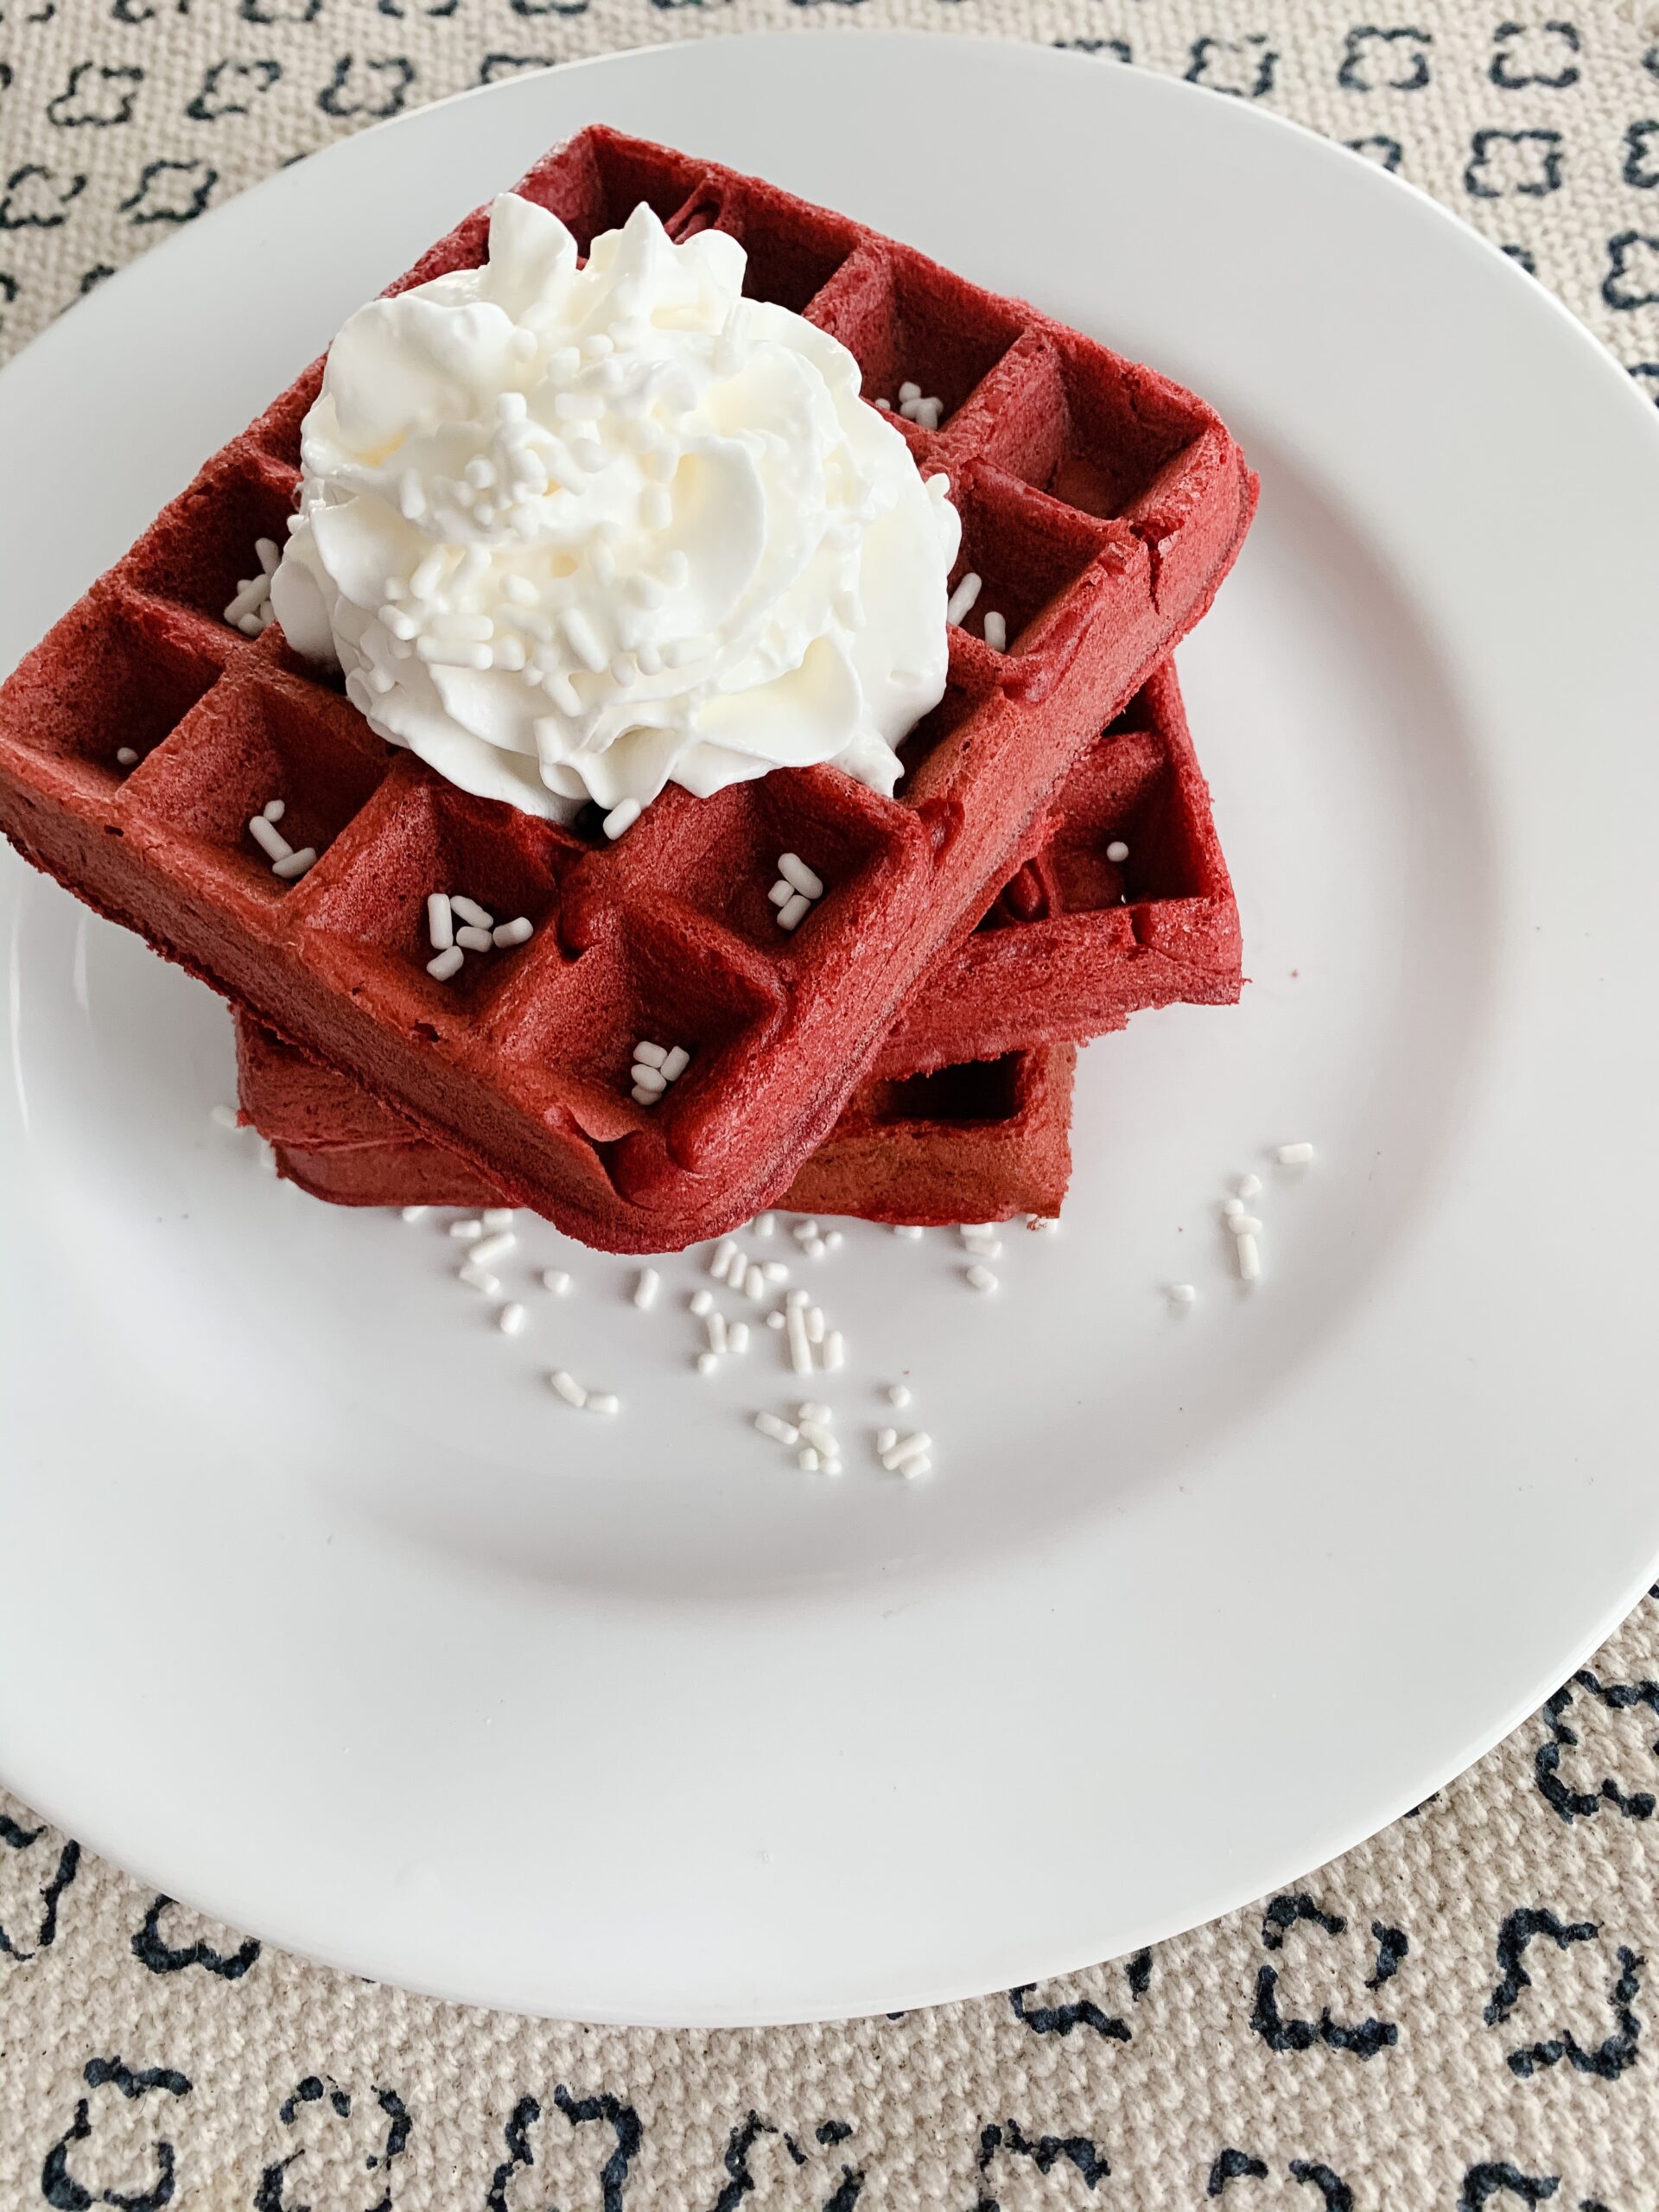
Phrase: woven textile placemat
[1460,2013]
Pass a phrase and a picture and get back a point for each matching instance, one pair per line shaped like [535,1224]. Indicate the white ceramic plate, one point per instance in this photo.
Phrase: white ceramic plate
[323,1612]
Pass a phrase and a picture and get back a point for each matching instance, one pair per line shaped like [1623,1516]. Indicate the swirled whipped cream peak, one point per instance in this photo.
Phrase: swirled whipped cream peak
[573,532]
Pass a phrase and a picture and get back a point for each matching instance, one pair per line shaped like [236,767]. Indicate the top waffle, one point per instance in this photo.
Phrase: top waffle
[1101,504]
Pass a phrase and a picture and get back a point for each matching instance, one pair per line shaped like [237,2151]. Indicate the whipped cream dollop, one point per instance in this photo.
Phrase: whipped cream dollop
[572,532]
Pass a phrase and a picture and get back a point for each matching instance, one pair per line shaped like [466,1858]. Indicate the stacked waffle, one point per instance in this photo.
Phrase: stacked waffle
[902,1047]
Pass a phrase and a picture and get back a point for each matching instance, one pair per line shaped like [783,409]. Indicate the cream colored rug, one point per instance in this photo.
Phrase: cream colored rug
[1459,2014]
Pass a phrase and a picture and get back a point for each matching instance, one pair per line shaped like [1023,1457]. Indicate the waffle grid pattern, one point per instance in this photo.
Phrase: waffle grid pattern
[1074,940]
[1100,506]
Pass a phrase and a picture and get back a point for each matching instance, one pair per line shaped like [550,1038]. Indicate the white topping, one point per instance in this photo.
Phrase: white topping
[723,561]
[1117,852]
[960,604]
[1294,1155]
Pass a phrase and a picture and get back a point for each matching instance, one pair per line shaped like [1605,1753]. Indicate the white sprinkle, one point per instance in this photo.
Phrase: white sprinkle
[775,1320]
[463,629]
[780,1431]
[886,405]
[774,1270]
[471,912]
[512,1318]
[804,1231]
[996,631]
[800,1348]
[645,1288]
[764,1223]
[1295,1155]
[265,548]
[1117,852]
[443,965]
[440,652]
[812,1409]
[296,863]
[489,1249]
[621,818]
[439,922]
[427,578]
[604,1401]
[700,1302]
[1244,1224]
[1181,1293]
[913,1467]
[714,1323]
[641,1096]
[912,1235]
[1248,1186]
[515,933]
[794,911]
[780,895]
[557,1281]
[982,1246]
[720,1266]
[250,593]
[914,1446]
[477,1278]
[815,1325]
[648,1079]
[796,1298]
[125,757]
[795,869]
[706,1362]
[819,1438]
[677,1063]
[908,390]
[467,1232]
[961,600]
[474,940]
[834,1353]
[567,1388]
[898,1393]
[981,1278]
[807,1460]
[1250,1258]
[268,838]
[737,1339]
[1232,1209]
[754,1280]
[652,1055]
[583,640]
[497,1216]
[885,1441]
[274,809]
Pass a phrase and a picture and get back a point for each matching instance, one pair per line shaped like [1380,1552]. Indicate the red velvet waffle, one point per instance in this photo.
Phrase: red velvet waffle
[1101,505]
[968,1143]
[1072,943]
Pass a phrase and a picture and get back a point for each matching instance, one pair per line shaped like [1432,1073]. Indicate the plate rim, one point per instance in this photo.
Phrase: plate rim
[671,55]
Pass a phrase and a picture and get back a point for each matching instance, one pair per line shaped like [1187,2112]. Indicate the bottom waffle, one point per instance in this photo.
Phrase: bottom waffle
[978,1141]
